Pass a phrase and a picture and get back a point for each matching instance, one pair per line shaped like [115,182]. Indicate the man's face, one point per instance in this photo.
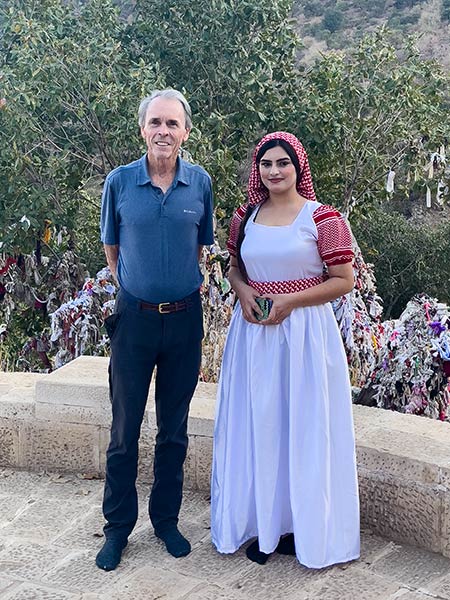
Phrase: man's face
[164,129]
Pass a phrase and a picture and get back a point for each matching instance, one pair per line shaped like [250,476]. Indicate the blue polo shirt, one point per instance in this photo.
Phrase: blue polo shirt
[158,233]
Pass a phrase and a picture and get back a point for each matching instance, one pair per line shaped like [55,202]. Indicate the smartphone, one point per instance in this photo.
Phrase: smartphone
[265,304]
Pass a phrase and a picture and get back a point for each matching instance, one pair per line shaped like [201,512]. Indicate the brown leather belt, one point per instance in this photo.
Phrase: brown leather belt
[164,308]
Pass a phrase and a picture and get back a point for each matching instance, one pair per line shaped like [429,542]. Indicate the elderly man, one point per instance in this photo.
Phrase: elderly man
[156,216]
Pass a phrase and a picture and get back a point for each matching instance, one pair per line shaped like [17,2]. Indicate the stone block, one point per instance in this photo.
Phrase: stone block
[406,435]
[445,531]
[218,569]
[61,447]
[25,382]
[98,415]
[203,462]
[411,567]
[30,591]
[144,548]
[19,484]
[401,510]
[83,533]
[444,476]
[196,507]
[373,547]
[190,464]
[263,583]
[202,410]
[146,453]
[82,382]
[395,464]
[28,560]
[150,582]
[78,571]
[352,583]
[16,406]
[10,506]
[405,594]
[213,592]
[5,584]
[84,488]
[439,588]
[9,443]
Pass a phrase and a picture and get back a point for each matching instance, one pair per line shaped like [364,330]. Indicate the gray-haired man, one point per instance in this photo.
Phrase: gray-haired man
[156,216]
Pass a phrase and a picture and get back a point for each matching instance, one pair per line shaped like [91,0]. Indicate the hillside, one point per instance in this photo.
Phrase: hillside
[327,24]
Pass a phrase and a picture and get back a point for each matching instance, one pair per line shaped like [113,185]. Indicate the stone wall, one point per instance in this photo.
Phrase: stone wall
[60,422]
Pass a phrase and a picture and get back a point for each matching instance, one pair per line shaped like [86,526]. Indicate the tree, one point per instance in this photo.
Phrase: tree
[374,109]
[409,258]
[72,74]
[445,10]
[333,19]
[69,114]
[235,59]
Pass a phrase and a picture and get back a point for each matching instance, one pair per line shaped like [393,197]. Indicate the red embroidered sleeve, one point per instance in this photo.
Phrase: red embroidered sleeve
[334,238]
[235,223]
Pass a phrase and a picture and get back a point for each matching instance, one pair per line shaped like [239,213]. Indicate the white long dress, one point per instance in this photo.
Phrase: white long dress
[284,451]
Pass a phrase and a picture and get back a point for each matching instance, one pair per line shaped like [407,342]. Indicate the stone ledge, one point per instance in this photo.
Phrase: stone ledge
[61,422]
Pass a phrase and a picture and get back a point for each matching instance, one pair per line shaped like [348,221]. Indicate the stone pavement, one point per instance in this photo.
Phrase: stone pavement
[51,528]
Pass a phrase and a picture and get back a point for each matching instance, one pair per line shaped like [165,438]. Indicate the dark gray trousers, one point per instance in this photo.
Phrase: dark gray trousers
[140,340]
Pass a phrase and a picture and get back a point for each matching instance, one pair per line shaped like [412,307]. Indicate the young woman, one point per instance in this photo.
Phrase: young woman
[284,469]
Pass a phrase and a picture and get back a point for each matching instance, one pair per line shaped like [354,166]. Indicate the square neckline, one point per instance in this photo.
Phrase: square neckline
[252,219]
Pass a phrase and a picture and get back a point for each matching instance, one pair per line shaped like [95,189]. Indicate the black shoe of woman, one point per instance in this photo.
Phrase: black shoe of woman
[286,545]
[254,553]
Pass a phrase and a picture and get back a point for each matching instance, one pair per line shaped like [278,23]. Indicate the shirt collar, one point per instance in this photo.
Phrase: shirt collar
[181,174]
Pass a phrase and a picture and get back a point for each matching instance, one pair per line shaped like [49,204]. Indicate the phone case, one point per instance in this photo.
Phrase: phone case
[265,305]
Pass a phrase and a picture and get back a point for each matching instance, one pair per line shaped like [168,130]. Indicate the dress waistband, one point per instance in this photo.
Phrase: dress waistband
[286,287]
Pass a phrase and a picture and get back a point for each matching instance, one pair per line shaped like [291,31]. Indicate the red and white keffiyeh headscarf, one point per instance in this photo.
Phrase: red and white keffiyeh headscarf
[257,191]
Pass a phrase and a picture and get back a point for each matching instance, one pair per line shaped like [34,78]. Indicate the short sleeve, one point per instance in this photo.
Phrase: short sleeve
[206,229]
[109,229]
[334,238]
[235,225]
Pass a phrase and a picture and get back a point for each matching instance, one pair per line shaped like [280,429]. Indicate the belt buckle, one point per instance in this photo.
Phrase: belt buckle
[161,308]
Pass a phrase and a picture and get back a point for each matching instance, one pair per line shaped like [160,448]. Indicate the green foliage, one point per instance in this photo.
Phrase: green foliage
[235,60]
[72,76]
[445,10]
[312,8]
[409,259]
[401,4]
[333,19]
[376,8]
[400,20]
[361,114]
[69,117]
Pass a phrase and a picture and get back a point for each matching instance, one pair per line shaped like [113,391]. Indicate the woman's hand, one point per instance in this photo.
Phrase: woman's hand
[283,305]
[244,292]
[249,306]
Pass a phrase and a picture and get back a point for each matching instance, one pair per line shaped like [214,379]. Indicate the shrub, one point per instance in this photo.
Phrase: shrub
[409,259]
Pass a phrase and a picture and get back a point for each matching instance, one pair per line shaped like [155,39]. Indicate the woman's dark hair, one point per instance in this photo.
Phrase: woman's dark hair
[294,158]
[240,239]
[289,151]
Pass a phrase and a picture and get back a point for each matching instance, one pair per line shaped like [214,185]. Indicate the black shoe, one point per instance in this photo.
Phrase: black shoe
[286,545]
[109,556]
[176,544]
[254,553]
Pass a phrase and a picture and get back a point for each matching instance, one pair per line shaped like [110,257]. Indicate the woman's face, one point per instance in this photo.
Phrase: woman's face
[277,171]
